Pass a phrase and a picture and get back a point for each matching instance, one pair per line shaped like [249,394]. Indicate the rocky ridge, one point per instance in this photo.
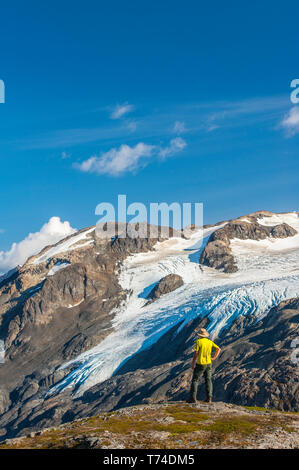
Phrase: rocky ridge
[217,253]
[174,425]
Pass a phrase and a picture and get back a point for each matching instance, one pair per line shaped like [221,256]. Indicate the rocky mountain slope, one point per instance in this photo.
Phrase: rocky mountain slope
[218,254]
[170,426]
[93,324]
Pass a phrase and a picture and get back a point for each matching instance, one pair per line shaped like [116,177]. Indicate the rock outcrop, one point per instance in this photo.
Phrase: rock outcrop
[217,253]
[283,231]
[251,231]
[167,284]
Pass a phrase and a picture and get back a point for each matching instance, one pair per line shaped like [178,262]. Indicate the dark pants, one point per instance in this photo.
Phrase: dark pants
[199,370]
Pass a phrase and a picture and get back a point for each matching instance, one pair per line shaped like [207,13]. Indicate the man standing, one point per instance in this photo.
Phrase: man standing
[203,360]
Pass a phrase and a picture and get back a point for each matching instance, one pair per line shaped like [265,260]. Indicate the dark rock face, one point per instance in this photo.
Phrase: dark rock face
[260,363]
[241,230]
[254,369]
[283,231]
[167,284]
[251,231]
[48,319]
[217,253]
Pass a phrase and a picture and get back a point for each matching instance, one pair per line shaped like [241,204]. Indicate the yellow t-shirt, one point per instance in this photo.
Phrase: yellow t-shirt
[204,347]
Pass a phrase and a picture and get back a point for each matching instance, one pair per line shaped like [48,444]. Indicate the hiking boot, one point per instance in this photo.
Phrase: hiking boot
[191,400]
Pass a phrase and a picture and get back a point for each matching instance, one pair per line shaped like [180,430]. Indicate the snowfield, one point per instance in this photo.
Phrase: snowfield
[67,245]
[57,267]
[268,273]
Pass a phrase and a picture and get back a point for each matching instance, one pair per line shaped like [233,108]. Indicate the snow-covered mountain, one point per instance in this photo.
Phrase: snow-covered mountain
[77,316]
[268,273]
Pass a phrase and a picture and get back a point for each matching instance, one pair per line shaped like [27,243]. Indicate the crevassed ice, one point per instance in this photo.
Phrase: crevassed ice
[221,304]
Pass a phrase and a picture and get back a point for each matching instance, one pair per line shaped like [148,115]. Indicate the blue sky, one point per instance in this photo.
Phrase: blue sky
[159,100]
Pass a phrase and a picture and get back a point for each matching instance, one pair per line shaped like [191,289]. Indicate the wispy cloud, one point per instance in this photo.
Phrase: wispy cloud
[193,118]
[179,127]
[124,159]
[51,232]
[175,146]
[291,121]
[245,112]
[121,110]
[73,137]
[212,127]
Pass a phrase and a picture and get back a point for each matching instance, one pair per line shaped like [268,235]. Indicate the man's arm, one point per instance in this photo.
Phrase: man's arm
[217,352]
[194,359]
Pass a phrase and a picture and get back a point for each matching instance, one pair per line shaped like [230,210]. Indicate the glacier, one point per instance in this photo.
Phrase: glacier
[268,274]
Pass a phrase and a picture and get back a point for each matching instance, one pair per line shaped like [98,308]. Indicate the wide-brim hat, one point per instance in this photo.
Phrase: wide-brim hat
[203,333]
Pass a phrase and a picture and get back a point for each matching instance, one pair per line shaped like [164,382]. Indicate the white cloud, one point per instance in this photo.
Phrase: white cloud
[117,161]
[291,121]
[50,233]
[120,110]
[179,127]
[176,145]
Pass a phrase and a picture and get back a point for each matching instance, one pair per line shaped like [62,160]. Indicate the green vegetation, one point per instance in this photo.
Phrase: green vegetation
[160,428]
[273,410]
[187,414]
[228,425]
